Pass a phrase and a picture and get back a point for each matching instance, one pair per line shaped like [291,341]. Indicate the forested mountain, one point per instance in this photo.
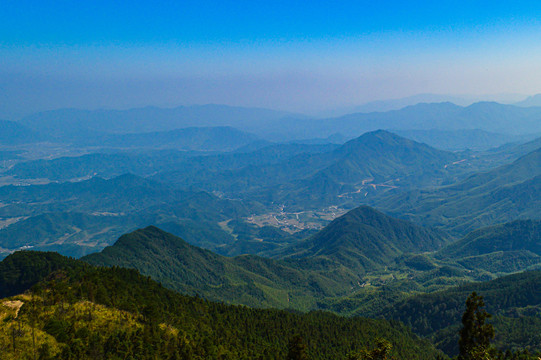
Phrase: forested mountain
[513,236]
[94,213]
[248,280]
[365,238]
[83,312]
[189,165]
[374,161]
[504,248]
[514,301]
[503,194]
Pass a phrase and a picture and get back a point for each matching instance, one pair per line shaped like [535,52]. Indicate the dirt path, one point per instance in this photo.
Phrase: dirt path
[15,305]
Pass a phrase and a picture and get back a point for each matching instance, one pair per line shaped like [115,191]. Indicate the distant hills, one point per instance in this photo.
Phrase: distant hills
[95,212]
[14,133]
[375,161]
[454,140]
[78,123]
[506,193]
[282,126]
[147,162]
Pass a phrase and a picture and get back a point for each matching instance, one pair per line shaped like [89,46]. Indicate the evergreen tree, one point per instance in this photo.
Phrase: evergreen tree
[380,352]
[475,334]
[297,349]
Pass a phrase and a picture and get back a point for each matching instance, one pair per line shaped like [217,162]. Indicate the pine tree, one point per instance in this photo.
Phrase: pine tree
[475,334]
[297,349]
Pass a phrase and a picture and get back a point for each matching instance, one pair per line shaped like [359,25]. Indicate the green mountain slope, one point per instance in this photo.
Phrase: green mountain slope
[86,312]
[516,235]
[454,140]
[365,238]
[361,247]
[504,194]
[374,162]
[190,166]
[515,300]
[22,270]
[95,212]
[504,248]
[248,280]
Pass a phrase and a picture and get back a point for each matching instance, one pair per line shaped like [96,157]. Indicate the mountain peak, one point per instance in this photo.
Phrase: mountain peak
[367,238]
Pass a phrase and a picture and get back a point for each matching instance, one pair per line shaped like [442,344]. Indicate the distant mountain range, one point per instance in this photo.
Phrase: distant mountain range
[534,100]
[377,168]
[462,100]
[454,140]
[281,126]
[66,123]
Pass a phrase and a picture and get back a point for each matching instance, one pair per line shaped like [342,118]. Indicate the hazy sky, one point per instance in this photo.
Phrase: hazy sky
[291,55]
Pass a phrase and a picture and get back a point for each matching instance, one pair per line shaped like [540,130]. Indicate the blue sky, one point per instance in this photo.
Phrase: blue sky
[297,56]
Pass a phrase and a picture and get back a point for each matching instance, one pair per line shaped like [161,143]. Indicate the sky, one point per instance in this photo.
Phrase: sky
[307,56]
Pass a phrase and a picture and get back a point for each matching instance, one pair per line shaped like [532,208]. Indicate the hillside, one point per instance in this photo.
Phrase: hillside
[374,162]
[223,138]
[503,248]
[516,235]
[453,140]
[514,301]
[366,239]
[93,213]
[85,312]
[501,195]
[248,280]
[104,165]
